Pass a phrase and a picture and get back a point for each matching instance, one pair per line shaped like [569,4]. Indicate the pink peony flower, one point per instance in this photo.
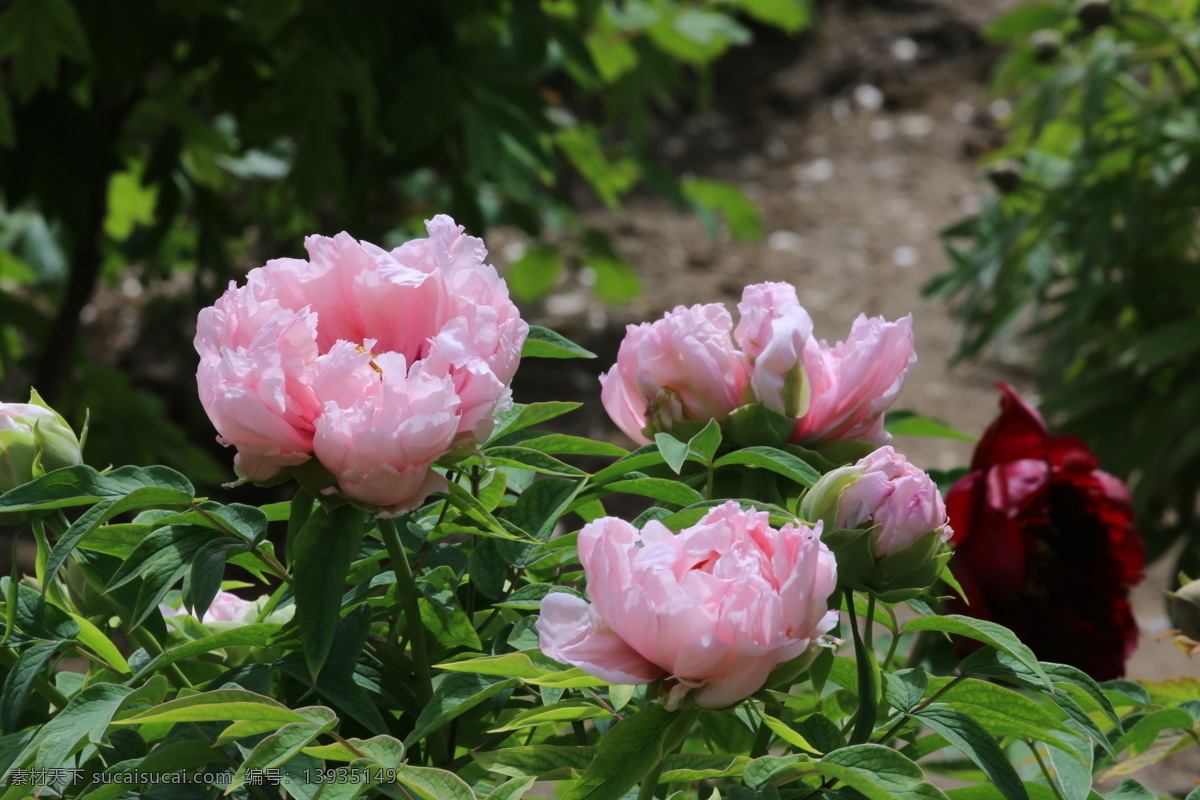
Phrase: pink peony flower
[883,490]
[715,607]
[685,369]
[377,362]
[682,367]
[854,382]
[225,607]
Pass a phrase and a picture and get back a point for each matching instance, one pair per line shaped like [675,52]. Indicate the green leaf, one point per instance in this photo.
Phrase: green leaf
[667,491]
[286,742]
[94,639]
[428,783]
[545,343]
[905,689]
[790,15]
[878,772]
[325,548]
[627,752]
[535,273]
[908,423]
[1003,712]
[962,731]
[705,443]
[983,631]
[217,706]
[455,695]
[257,634]
[533,460]
[562,711]
[520,416]
[680,767]
[544,762]
[786,733]
[441,611]
[616,280]
[562,444]
[82,485]
[515,788]
[531,666]
[770,458]
[465,502]
[673,451]
[19,682]
[711,198]
[1141,735]
[1132,790]
[81,721]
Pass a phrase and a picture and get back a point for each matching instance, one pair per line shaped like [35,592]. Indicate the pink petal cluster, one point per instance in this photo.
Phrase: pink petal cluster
[883,489]
[377,362]
[687,367]
[225,607]
[715,607]
[682,367]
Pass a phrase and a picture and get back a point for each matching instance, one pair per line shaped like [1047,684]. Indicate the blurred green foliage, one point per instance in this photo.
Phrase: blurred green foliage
[1091,247]
[191,139]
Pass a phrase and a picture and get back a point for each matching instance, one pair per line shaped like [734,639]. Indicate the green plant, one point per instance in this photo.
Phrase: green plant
[1090,246]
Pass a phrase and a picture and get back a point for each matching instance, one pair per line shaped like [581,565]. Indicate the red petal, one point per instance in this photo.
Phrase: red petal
[1019,432]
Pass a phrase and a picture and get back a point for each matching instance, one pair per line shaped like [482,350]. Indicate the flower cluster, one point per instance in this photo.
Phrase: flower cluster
[686,368]
[1046,544]
[377,363]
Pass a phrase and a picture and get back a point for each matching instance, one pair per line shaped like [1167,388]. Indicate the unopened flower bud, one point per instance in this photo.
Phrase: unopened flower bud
[34,440]
[885,521]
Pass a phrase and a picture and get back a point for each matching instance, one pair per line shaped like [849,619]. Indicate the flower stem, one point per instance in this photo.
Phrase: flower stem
[650,782]
[868,676]
[1045,770]
[406,592]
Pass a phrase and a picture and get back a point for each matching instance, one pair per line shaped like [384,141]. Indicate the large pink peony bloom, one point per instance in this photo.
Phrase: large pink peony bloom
[715,607]
[377,362]
[684,368]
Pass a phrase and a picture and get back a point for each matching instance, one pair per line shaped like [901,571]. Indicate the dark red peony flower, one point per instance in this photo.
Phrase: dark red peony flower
[1046,544]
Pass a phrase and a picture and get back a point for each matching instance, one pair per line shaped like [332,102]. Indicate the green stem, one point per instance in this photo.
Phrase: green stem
[762,740]
[406,592]
[868,678]
[1045,770]
[147,642]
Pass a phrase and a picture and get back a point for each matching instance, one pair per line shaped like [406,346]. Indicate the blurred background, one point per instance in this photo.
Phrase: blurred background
[1023,177]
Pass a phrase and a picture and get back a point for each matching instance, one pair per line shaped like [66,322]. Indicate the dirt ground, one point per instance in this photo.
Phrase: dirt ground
[858,145]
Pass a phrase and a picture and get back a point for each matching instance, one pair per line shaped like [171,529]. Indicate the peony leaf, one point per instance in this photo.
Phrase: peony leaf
[217,706]
[325,548]
[520,416]
[674,452]
[562,711]
[878,772]
[770,458]
[984,631]
[1003,712]
[905,689]
[629,750]
[544,762]
[909,423]
[428,783]
[456,694]
[254,635]
[667,491]
[532,460]
[962,731]
[545,343]
[19,682]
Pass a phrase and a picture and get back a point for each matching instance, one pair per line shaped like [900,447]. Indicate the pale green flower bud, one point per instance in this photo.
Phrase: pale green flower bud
[34,440]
